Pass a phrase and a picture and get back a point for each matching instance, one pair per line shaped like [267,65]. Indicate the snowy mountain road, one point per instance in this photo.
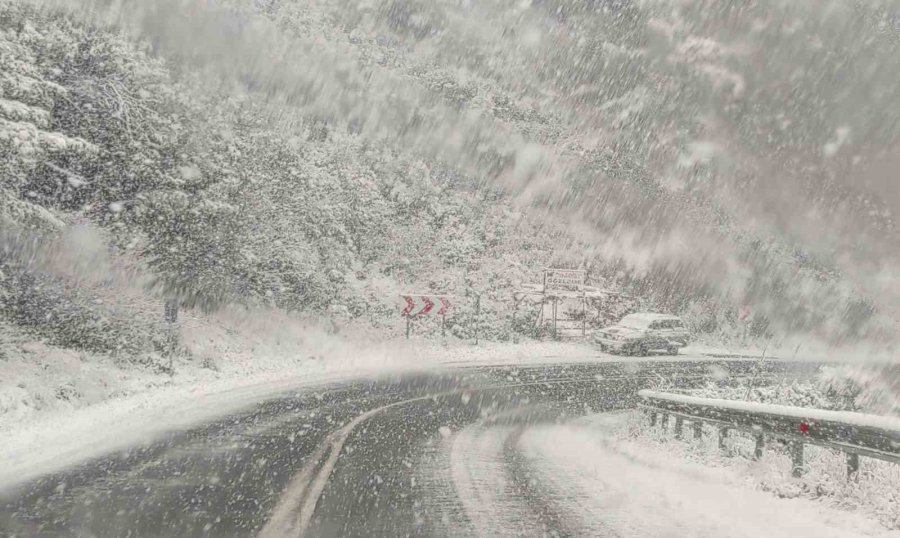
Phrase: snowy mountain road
[434,453]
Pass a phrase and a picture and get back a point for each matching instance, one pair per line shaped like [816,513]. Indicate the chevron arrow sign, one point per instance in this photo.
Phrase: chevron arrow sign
[413,305]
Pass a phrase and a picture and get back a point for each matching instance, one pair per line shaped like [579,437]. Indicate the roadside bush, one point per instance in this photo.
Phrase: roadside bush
[69,317]
[861,388]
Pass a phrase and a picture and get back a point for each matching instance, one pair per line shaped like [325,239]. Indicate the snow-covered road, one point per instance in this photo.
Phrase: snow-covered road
[37,443]
[485,451]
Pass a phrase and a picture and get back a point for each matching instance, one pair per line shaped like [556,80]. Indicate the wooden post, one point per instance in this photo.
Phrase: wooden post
[797,469]
[759,367]
[760,445]
[443,325]
[852,466]
[477,315]
[698,429]
[170,314]
[170,309]
[583,314]
[407,327]
[679,424]
[723,434]
[555,334]
[539,321]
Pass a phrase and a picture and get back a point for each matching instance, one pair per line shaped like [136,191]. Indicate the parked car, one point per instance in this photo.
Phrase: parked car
[639,334]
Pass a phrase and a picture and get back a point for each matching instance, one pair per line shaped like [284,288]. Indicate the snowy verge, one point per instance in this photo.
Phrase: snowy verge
[620,485]
[866,507]
[52,441]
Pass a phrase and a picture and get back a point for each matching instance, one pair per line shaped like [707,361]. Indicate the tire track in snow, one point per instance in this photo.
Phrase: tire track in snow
[495,487]
[554,521]
[448,515]
[476,465]
[572,483]
[294,512]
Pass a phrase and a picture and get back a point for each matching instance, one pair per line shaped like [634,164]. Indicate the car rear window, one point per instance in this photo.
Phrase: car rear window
[666,324]
[636,322]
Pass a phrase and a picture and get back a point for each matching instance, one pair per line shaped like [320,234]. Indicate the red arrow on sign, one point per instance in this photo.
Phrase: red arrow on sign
[429,304]
[410,304]
[445,306]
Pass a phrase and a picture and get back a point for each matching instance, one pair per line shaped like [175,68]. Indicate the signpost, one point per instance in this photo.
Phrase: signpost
[559,286]
[558,281]
[563,280]
[417,304]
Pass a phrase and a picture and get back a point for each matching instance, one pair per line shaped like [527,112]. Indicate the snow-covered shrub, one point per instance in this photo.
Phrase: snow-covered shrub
[70,317]
[873,388]
[869,388]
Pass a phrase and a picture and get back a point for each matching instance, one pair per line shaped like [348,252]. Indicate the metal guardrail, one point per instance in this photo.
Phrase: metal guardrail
[855,434]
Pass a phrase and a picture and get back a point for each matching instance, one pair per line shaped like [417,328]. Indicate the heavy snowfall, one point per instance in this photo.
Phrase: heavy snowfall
[449,268]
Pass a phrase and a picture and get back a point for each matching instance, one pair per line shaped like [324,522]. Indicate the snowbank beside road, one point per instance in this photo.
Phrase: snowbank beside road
[873,497]
[44,442]
[500,353]
[624,487]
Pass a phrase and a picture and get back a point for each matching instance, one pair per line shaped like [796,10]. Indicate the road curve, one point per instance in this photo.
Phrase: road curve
[418,454]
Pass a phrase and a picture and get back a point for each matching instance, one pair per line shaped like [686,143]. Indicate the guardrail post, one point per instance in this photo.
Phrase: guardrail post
[664,423]
[723,434]
[797,459]
[852,466]
[698,429]
[652,418]
[760,446]
[679,423]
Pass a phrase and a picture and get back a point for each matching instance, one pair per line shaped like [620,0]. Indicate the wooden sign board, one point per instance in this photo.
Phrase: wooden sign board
[563,280]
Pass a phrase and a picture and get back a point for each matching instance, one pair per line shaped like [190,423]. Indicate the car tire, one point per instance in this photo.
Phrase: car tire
[672,350]
[642,350]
